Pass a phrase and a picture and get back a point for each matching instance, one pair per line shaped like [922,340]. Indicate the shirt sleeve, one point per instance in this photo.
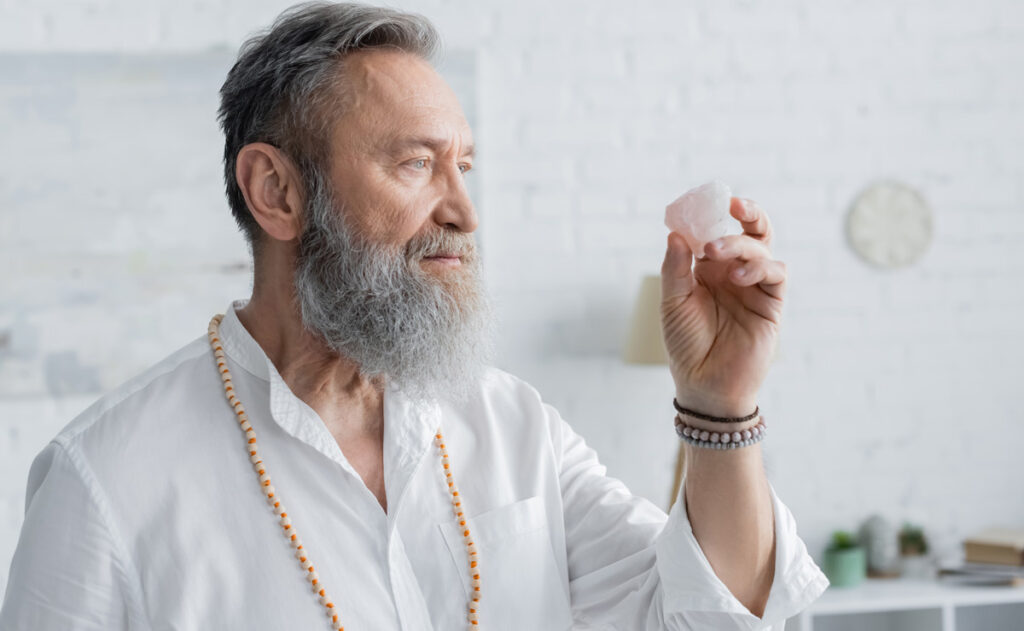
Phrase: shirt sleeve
[632,567]
[68,570]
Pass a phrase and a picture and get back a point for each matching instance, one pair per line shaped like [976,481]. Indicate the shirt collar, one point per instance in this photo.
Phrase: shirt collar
[241,346]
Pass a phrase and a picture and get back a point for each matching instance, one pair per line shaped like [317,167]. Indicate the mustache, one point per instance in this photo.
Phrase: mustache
[446,241]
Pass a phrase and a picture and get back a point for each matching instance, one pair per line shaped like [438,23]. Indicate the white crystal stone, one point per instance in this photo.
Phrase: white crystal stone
[700,215]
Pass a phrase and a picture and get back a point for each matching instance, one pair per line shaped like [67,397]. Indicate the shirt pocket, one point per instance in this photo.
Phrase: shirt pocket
[520,587]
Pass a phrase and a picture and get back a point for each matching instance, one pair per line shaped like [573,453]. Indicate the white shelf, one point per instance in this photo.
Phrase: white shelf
[914,605]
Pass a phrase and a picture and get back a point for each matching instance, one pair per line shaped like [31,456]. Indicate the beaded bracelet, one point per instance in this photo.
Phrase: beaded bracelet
[720,440]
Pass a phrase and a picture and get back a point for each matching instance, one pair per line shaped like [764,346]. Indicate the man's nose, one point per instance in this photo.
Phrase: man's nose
[456,208]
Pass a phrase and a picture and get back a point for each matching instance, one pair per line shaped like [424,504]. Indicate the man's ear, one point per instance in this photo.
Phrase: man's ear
[272,188]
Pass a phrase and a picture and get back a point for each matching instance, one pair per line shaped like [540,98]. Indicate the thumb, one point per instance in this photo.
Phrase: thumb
[676,274]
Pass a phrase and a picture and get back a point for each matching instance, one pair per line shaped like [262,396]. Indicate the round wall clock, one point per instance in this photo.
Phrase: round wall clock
[889,224]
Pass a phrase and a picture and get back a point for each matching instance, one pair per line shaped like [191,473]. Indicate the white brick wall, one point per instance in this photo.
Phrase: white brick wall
[591,116]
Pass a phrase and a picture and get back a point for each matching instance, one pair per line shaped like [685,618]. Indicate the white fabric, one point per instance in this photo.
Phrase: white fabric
[145,513]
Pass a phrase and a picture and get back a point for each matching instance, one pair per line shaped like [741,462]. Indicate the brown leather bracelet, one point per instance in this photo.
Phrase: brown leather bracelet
[715,419]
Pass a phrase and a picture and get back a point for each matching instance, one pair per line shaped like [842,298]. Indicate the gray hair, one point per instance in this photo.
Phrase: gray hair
[285,78]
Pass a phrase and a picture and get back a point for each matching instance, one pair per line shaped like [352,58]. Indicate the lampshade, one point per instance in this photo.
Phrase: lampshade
[645,344]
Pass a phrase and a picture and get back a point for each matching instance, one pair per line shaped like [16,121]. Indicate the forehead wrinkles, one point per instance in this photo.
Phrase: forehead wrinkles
[398,84]
[385,78]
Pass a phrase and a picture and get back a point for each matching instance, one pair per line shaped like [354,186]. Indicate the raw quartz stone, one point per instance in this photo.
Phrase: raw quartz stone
[700,215]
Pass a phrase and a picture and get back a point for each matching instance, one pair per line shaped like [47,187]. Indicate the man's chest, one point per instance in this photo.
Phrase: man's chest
[407,570]
[366,455]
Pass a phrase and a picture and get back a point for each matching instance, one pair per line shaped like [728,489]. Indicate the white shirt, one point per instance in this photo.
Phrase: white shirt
[144,513]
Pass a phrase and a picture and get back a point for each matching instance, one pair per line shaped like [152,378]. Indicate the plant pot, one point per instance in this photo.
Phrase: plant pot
[917,566]
[846,567]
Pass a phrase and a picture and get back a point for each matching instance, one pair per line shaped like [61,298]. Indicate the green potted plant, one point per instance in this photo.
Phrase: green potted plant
[912,540]
[846,563]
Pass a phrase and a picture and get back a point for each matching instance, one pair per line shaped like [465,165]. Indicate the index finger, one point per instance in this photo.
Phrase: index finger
[753,219]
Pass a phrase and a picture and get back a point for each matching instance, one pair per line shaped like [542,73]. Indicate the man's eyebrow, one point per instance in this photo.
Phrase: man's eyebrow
[437,145]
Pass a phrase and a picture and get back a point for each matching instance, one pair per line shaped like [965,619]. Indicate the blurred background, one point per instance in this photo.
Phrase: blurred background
[896,390]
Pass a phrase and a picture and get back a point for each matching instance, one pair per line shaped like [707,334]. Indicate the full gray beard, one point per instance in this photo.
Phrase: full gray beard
[430,336]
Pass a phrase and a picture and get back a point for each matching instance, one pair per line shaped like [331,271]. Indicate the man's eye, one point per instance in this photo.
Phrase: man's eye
[421,163]
[464,167]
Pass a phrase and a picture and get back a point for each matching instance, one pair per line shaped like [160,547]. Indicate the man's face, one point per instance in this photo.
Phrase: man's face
[400,153]
[364,277]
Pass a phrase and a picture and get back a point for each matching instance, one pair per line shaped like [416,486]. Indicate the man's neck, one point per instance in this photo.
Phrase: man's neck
[349,403]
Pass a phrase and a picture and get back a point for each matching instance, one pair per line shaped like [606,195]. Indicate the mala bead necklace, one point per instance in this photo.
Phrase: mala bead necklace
[285,521]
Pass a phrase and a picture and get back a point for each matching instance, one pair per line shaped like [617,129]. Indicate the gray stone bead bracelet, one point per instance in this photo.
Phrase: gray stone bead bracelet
[721,440]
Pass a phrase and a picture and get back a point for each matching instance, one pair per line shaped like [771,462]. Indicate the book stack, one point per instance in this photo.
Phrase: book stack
[991,557]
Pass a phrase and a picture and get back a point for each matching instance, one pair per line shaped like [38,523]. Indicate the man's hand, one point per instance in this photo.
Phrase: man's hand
[721,329]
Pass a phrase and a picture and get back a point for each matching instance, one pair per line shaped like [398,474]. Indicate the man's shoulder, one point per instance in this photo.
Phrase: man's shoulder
[497,382]
[123,403]
[507,399]
[499,378]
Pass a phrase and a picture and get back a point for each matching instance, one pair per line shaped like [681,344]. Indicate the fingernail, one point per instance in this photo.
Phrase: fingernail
[740,272]
[720,243]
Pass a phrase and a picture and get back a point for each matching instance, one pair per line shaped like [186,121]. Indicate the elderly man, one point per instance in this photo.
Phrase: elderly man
[337,452]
